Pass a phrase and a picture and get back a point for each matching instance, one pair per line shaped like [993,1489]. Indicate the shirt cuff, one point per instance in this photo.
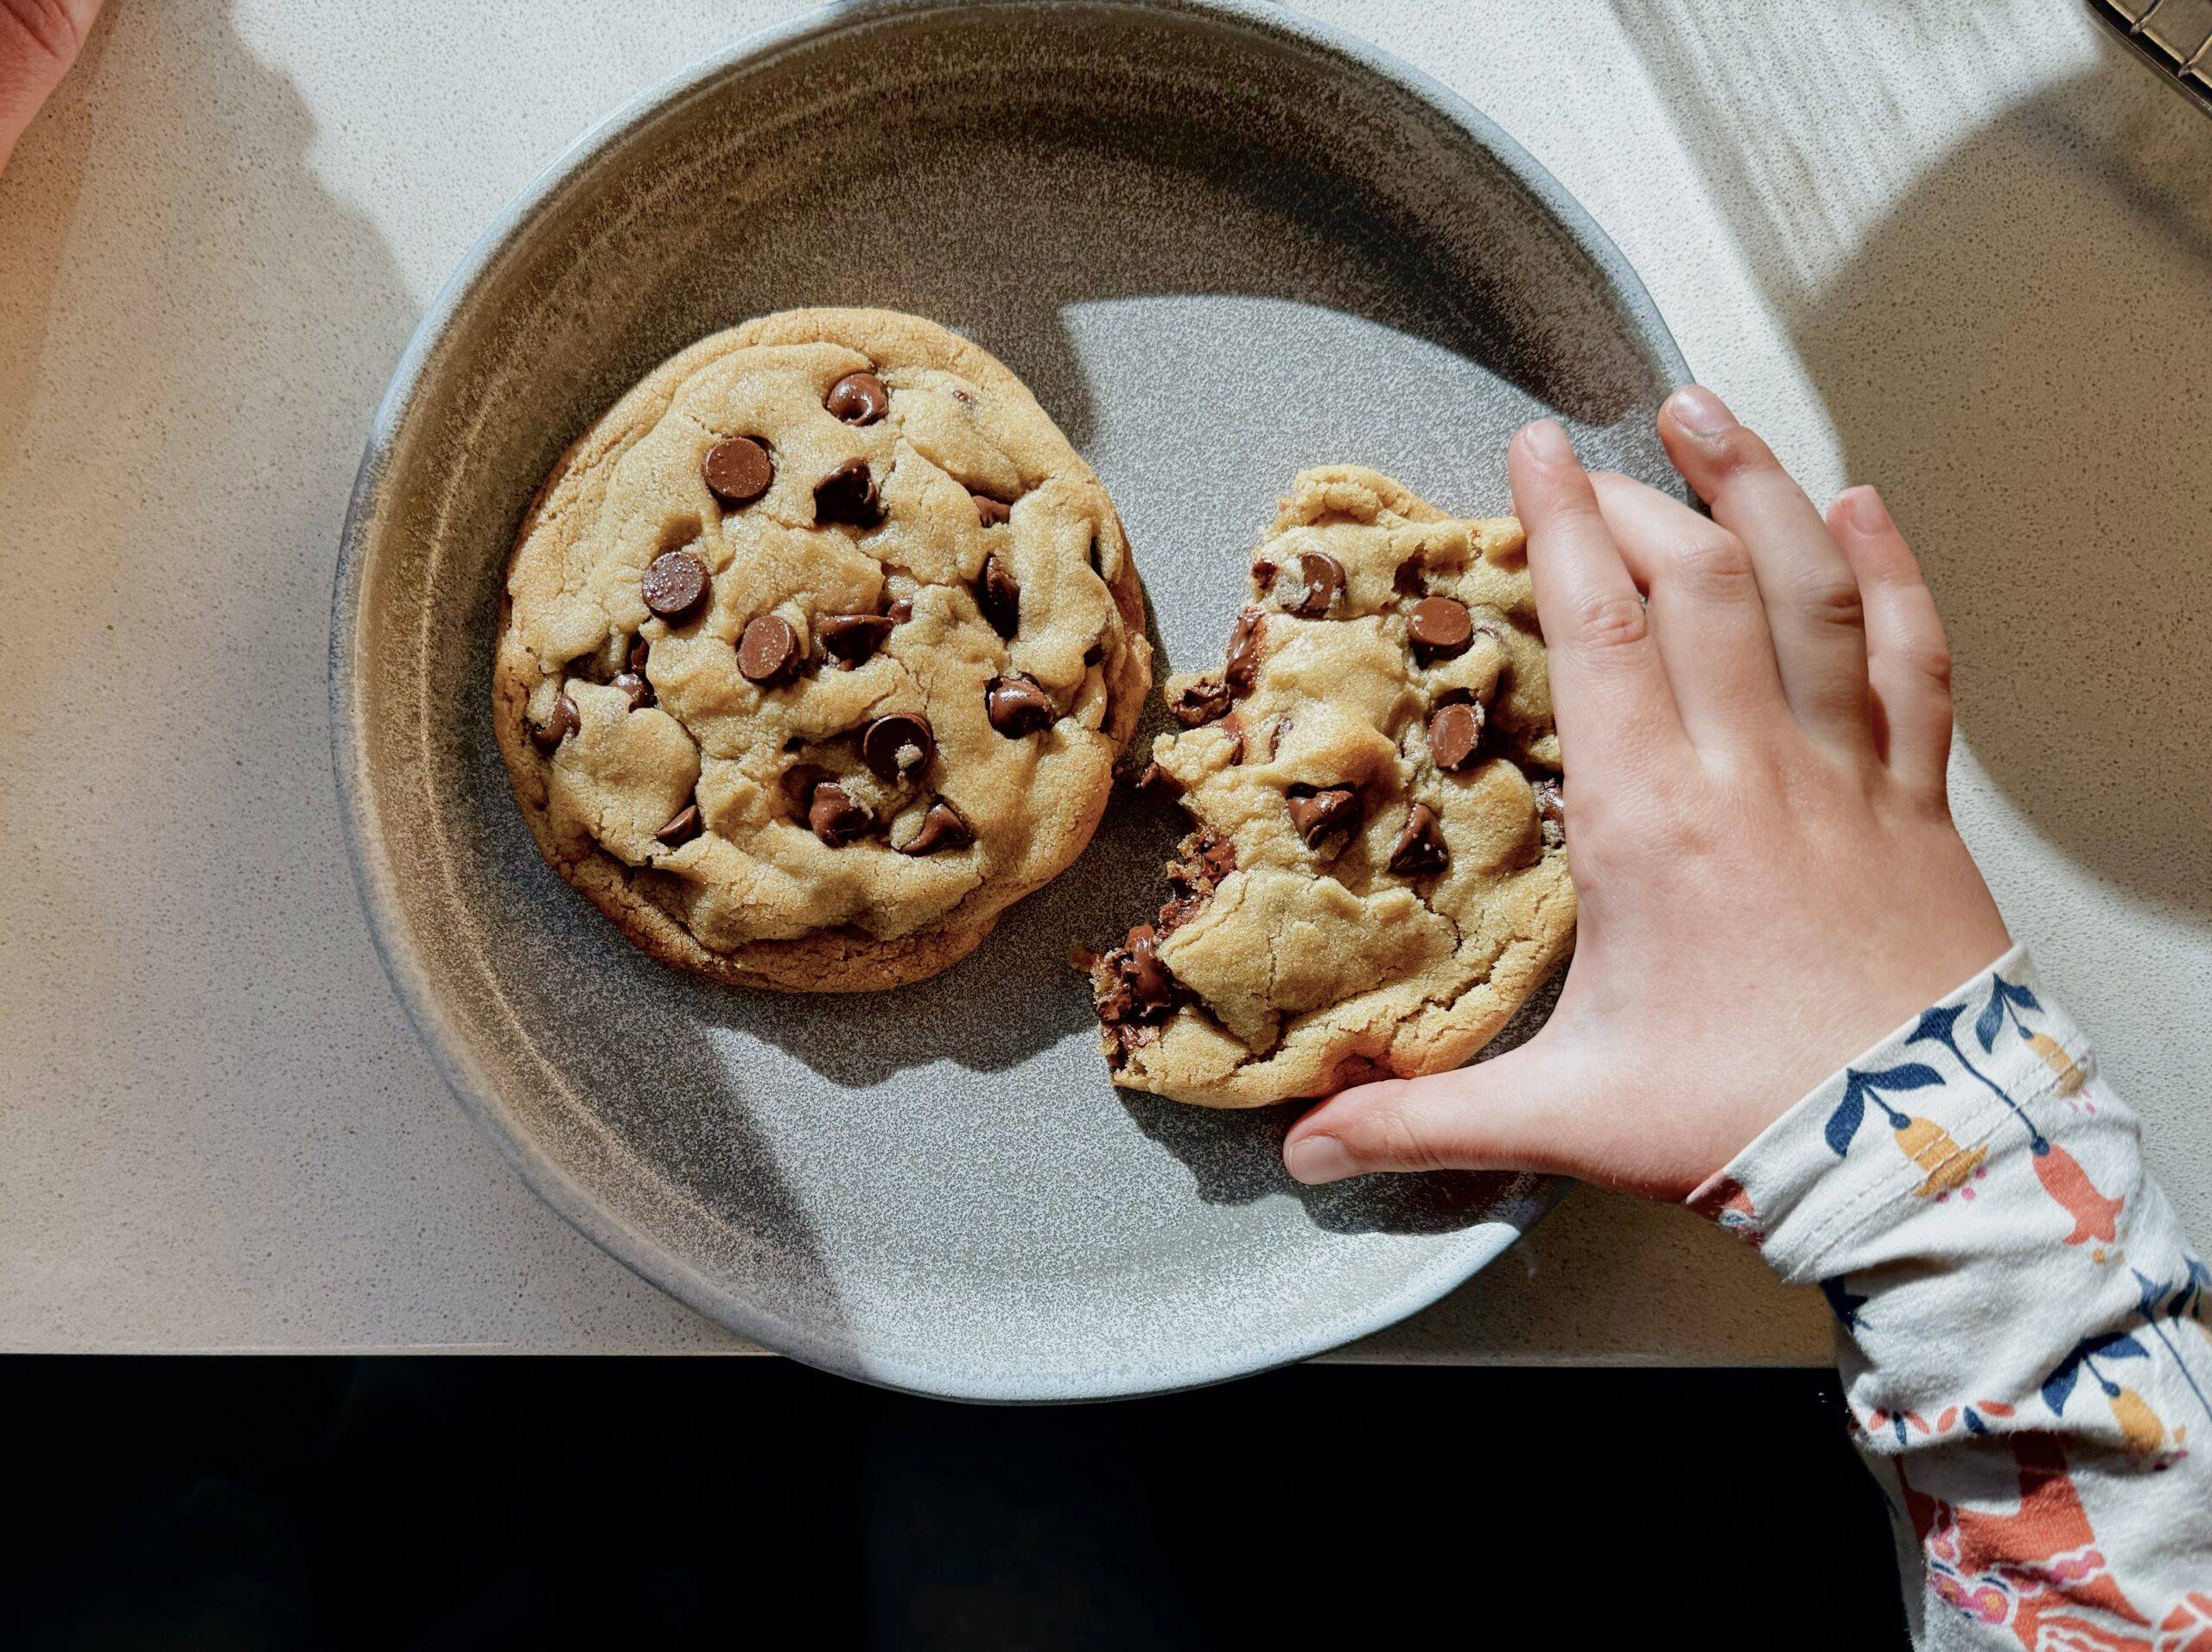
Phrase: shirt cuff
[1910,1122]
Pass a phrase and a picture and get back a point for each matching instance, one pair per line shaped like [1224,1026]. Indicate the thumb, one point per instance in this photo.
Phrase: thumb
[1505,1114]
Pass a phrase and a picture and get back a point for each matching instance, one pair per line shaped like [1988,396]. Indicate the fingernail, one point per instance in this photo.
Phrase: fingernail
[1868,513]
[1698,410]
[1546,441]
[1318,1158]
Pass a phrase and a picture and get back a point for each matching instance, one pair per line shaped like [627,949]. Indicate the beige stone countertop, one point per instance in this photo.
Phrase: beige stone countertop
[1963,250]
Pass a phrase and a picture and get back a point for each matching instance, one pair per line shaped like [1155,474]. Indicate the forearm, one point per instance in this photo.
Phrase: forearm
[2020,1321]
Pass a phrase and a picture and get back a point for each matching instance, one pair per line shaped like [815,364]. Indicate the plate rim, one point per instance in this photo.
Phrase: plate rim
[446,1040]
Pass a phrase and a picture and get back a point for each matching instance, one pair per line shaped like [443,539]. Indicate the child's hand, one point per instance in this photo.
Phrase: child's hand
[1756,820]
[39,40]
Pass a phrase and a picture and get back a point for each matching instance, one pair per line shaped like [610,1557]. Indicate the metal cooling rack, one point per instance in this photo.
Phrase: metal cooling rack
[2173,36]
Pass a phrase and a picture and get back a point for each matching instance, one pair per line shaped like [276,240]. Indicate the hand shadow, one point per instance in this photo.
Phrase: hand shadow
[2024,374]
[2016,353]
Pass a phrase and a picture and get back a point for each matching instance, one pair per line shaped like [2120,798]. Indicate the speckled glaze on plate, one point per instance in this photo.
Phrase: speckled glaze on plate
[1221,244]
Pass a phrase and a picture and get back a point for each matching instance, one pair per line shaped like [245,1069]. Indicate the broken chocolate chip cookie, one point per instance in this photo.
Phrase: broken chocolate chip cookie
[1375,876]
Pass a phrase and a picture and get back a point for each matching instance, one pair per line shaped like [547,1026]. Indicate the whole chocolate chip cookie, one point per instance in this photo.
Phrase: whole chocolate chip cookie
[762,627]
[1376,874]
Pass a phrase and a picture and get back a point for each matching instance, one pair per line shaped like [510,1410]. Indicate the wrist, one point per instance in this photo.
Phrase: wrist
[1915,1120]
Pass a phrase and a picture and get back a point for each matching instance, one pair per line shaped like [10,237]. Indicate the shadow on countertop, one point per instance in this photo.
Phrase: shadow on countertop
[2019,353]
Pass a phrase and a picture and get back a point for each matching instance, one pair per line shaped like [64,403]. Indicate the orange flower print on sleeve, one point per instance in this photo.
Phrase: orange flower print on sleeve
[2158,1307]
[2188,1627]
[1724,1202]
[2070,1077]
[2034,1569]
[2005,1008]
[2094,1215]
[1946,1166]
[2143,1432]
[2091,1214]
[2026,1346]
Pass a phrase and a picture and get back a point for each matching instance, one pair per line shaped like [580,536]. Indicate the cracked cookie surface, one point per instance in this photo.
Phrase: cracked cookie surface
[1375,877]
[817,653]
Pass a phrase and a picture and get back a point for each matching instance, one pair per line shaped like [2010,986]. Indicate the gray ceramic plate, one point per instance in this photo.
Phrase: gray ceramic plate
[1221,244]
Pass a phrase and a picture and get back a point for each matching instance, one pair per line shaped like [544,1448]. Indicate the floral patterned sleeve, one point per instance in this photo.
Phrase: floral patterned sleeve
[2021,1324]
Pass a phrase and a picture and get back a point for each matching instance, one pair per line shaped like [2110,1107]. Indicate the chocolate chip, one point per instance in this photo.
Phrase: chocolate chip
[1216,855]
[1110,995]
[738,470]
[1421,848]
[1178,912]
[563,723]
[837,818]
[1233,726]
[1242,659]
[998,593]
[800,782]
[1148,978]
[1131,982]
[1454,731]
[639,692]
[1440,627]
[1317,813]
[941,829]
[853,637]
[1322,576]
[771,649]
[1201,700]
[989,512]
[1128,1040]
[1278,726]
[674,586]
[638,651]
[900,611]
[682,830]
[1017,706]
[1204,860]
[1156,782]
[859,398]
[899,745]
[848,494]
[1551,811]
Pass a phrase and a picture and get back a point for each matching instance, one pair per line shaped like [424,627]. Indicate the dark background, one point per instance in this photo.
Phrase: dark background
[451,1503]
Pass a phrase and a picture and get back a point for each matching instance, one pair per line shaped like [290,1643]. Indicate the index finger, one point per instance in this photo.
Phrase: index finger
[1610,694]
